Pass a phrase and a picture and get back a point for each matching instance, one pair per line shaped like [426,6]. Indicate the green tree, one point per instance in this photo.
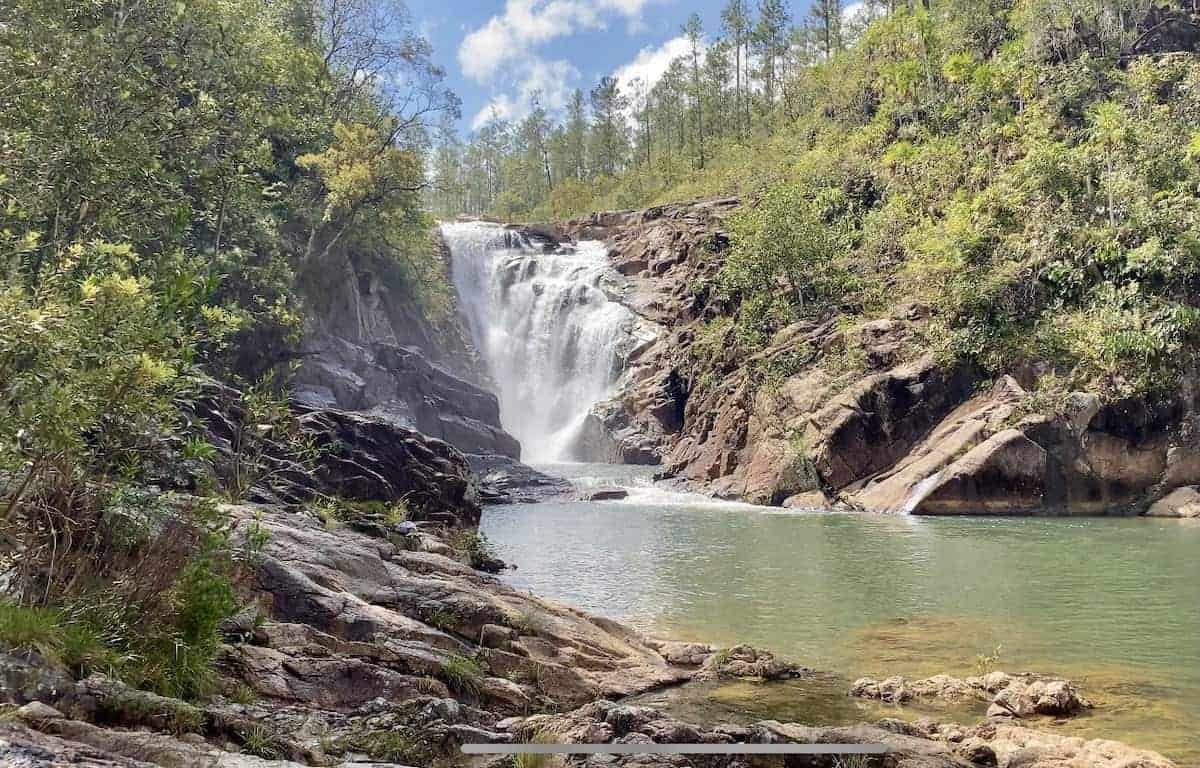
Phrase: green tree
[609,137]
[695,36]
[735,18]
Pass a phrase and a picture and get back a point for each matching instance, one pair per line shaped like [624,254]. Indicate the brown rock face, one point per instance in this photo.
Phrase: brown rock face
[902,434]
[1005,475]
[879,419]
[666,255]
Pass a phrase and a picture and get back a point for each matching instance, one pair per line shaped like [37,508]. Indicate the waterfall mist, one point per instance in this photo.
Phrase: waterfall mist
[552,340]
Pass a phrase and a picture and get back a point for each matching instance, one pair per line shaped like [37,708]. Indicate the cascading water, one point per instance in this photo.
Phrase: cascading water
[552,339]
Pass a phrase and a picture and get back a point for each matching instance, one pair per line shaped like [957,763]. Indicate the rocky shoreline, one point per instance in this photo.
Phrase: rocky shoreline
[375,643]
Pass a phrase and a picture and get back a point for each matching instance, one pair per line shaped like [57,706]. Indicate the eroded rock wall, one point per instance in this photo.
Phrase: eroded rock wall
[368,347]
[896,431]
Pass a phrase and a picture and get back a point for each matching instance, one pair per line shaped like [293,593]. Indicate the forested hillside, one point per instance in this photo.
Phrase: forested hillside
[1029,170]
[176,179]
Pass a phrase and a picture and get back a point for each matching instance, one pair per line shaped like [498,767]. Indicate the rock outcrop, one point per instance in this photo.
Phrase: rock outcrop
[1007,695]
[368,347]
[923,744]
[860,416]
[357,457]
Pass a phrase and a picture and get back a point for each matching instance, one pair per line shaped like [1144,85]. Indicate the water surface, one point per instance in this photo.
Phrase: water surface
[1111,603]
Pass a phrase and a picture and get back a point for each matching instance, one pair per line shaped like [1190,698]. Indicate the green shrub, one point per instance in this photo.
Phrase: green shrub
[474,548]
[259,741]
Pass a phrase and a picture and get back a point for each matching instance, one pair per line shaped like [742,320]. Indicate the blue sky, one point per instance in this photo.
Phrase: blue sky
[496,51]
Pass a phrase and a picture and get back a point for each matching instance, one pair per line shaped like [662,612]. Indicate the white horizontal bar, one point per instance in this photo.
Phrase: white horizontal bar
[674,749]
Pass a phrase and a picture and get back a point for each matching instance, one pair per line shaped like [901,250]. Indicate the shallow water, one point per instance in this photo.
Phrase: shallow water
[1111,603]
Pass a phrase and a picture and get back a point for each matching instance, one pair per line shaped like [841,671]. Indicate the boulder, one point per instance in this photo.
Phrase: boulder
[879,419]
[1006,474]
[1181,502]
[747,661]
[358,457]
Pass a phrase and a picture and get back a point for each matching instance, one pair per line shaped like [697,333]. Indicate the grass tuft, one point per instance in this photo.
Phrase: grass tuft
[463,675]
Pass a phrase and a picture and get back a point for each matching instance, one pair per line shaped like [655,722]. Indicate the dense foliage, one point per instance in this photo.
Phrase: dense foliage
[176,179]
[1027,170]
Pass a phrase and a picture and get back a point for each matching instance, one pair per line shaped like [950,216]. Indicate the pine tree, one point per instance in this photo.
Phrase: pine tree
[771,36]
[827,25]
[608,132]
[695,35]
[736,20]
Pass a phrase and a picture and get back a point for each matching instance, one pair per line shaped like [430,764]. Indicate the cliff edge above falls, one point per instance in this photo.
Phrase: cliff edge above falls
[860,414]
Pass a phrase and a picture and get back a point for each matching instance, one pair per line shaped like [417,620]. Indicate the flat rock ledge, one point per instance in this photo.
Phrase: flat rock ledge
[1008,696]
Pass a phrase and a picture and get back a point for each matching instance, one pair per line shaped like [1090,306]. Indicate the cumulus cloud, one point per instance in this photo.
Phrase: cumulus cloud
[503,52]
[552,81]
[651,62]
[525,24]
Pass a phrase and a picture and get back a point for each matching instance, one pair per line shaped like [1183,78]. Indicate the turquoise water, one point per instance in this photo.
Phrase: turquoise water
[1112,603]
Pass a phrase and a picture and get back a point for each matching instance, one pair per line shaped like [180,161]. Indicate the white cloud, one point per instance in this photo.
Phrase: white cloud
[510,36]
[551,80]
[503,52]
[650,63]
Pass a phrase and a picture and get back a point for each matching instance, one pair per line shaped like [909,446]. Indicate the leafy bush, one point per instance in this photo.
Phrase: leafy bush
[787,257]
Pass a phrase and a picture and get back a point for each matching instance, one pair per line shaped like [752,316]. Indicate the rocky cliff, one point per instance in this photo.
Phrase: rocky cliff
[368,347]
[861,414]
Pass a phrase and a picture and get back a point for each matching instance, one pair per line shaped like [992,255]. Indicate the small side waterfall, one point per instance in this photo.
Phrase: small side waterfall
[552,339]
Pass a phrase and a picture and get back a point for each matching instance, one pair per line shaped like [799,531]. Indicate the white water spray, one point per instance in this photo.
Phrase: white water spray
[552,339]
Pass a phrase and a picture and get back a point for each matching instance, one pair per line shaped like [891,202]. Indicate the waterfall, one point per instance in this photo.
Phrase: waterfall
[553,341]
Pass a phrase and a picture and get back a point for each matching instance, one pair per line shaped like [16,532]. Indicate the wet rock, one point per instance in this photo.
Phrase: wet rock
[685,654]
[807,500]
[505,481]
[1018,746]
[603,494]
[747,661]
